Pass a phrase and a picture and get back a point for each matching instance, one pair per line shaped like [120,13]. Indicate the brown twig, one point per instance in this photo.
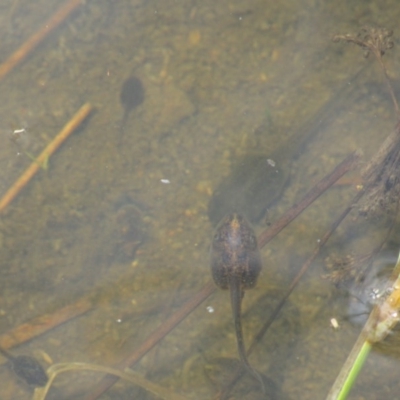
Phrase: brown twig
[376,162]
[308,199]
[20,54]
[70,127]
[44,323]
[209,288]
[154,338]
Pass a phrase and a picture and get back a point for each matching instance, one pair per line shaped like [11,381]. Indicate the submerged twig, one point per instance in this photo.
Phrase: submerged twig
[154,338]
[382,174]
[21,182]
[44,323]
[127,374]
[55,20]
[324,184]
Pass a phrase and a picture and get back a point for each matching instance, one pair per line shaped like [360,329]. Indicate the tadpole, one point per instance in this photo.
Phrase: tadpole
[27,368]
[131,96]
[236,265]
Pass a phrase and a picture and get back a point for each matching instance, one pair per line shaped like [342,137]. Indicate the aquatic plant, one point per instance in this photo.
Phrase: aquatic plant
[127,374]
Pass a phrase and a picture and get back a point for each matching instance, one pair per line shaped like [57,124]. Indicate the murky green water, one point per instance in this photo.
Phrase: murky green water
[124,220]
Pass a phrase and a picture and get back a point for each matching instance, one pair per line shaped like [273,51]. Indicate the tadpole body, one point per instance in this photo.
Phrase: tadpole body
[27,368]
[131,96]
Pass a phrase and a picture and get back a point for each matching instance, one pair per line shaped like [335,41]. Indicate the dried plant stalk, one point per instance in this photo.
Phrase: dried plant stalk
[20,54]
[21,182]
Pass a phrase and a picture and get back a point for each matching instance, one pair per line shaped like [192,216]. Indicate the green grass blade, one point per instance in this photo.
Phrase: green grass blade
[355,370]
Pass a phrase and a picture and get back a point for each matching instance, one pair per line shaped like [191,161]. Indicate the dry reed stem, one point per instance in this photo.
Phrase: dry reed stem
[20,54]
[43,323]
[317,190]
[70,127]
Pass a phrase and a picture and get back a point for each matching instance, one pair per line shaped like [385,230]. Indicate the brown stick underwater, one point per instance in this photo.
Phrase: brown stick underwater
[21,182]
[43,323]
[25,49]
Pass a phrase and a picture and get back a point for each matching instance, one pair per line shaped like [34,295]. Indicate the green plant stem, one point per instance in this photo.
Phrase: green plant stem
[381,321]
[354,371]
[343,380]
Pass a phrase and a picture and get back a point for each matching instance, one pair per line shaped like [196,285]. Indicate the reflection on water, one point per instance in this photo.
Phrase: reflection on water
[213,73]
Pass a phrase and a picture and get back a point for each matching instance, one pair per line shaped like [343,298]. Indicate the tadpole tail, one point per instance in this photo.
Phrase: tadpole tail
[121,128]
[236,302]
